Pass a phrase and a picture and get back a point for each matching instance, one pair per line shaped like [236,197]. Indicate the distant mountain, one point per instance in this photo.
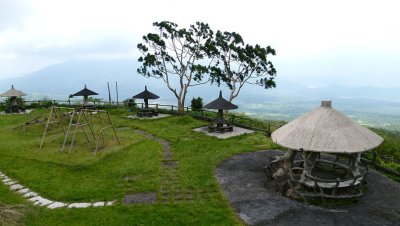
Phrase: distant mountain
[287,101]
[60,80]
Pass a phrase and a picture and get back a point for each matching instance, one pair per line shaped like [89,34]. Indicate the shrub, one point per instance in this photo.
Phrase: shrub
[197,104]
[46,103]
[130,102]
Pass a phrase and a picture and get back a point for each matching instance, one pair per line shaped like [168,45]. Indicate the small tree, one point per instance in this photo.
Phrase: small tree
[176,55]
[197,104]
[130,102]
[236,64]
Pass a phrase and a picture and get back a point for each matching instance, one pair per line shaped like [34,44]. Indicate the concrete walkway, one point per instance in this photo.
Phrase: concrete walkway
[147,118]
[236,132]
[257,203]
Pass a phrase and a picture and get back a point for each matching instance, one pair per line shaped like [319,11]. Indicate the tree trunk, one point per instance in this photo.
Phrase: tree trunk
[181,106]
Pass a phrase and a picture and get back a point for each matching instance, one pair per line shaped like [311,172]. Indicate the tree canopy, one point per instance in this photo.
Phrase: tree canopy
[176,55]
[236,63]
[183,57]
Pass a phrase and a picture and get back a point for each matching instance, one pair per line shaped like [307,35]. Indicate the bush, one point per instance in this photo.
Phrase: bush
[46,103]
[10,101]
[197,104]
[130,102]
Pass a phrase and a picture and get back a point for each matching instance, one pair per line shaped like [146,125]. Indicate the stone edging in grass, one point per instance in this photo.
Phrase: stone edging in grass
[38,200]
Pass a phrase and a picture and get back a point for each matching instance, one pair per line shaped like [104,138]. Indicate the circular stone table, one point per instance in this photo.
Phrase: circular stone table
[256,202]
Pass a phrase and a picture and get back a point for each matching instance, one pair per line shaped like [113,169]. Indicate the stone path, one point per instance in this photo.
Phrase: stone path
[257,203]
[38,200]
[170,189]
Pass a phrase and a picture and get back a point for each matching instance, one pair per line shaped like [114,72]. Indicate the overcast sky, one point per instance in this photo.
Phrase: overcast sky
[317,42]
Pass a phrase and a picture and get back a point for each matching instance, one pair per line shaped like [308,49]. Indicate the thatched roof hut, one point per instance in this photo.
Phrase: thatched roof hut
[220,103]
[85,92]
[146,95]
[13,93]
[326,130]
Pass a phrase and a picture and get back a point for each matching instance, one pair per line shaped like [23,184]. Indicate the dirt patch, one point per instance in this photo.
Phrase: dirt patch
[140,198]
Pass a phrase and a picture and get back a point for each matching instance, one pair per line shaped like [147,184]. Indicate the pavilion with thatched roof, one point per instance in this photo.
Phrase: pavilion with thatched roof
[323,130]
[146,111]
[85,93]
[220,104]
[13,94]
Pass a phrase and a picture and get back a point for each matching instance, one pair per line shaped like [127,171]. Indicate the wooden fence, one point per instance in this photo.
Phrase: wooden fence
[374,159]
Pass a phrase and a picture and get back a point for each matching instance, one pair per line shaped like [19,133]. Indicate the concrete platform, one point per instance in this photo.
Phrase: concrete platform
[257,203]
[147,118]
[236,132]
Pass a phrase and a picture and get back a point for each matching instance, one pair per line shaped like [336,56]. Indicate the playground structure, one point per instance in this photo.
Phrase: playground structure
[70,120]
[58,116]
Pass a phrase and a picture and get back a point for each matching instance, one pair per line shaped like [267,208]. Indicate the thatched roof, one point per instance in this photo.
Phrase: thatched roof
[220,103]
[13,93]
[326,130]
[85,92]
[146,95]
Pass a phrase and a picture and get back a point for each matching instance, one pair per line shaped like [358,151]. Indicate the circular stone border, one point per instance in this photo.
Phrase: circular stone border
[257,203]
[38,200]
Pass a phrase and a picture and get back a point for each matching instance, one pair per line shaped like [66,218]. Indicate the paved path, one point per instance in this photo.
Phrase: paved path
[257,203]
[38,200]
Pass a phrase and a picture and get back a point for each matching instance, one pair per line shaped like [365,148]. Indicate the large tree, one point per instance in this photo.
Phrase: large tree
[177,56]
[237,64]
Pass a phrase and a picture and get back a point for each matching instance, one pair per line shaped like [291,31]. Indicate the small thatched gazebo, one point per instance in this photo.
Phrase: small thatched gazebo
[85,92]
[13,94]
[220,104]
[146,95]
[323,130]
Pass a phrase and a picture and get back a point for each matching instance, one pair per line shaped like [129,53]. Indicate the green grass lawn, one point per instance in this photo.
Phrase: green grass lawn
[78,176]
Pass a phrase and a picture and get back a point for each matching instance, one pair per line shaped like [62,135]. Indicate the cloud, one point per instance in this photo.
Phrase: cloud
[301,31]
[12,13]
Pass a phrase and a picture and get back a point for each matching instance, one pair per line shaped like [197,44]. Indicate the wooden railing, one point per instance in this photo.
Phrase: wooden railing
[374,159]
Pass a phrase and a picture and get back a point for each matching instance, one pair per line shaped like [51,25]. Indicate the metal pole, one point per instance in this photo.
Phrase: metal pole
[116,88]
[109,94]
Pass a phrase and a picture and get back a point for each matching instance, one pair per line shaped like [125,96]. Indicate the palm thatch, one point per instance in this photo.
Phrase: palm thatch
[13,93]
[220,103]
[85,92]
[146,95]
[326,130]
